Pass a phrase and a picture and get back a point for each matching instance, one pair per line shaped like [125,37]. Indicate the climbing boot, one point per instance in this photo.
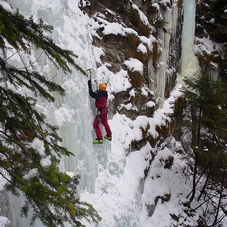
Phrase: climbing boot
[107,137]
[97,141]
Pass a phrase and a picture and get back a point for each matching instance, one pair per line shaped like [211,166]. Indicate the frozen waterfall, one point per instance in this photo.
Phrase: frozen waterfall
[165,32]
[189,62]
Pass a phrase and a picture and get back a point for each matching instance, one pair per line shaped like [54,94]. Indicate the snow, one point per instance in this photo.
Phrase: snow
[142,48]
[45,162]
[143,18]
[111,28]
[205,45]
[2,179]
[6,6]
[4,221]
[31,173]
[150,104]
[134,65]
[112,175]
[38,145]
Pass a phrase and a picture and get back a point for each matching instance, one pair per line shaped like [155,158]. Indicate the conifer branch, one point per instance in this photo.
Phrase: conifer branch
[50,194]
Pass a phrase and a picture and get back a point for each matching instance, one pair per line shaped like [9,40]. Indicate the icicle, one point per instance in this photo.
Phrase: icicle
[158,77]
[189,63]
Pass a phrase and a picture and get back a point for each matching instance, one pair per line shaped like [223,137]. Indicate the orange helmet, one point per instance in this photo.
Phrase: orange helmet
[102,86]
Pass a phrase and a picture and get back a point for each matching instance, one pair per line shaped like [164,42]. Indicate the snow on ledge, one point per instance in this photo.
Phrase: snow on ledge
[134,65]
[6,6]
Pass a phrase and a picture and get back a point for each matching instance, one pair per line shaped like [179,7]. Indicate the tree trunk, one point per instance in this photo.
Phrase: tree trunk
[210,164]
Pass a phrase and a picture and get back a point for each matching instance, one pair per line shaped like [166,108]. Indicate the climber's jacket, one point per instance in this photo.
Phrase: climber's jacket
[99,96]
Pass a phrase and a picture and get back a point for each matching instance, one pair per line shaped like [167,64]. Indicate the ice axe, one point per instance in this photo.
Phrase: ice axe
[90,75]
[90,72]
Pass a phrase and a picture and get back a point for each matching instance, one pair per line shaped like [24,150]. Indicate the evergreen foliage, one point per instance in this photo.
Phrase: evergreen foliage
[214,17]
[205,117]
[206,108]
[211,22]
[49,193]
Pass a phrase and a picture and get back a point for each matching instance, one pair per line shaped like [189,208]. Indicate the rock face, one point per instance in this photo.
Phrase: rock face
[153,38]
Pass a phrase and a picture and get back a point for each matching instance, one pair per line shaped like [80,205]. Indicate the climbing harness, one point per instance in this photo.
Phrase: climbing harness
[102,112]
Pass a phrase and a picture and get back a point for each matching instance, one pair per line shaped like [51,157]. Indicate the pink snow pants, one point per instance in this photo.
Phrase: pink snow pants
[102,118]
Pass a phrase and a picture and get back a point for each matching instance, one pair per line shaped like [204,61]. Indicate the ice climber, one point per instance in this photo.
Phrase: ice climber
[100,97]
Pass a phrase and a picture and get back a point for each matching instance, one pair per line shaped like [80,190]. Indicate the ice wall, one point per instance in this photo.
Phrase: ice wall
[189,63]
[165,32]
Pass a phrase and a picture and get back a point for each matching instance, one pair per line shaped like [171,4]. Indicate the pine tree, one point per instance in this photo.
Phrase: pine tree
[205,117]
[49,193]
[206,108]
[211,22]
